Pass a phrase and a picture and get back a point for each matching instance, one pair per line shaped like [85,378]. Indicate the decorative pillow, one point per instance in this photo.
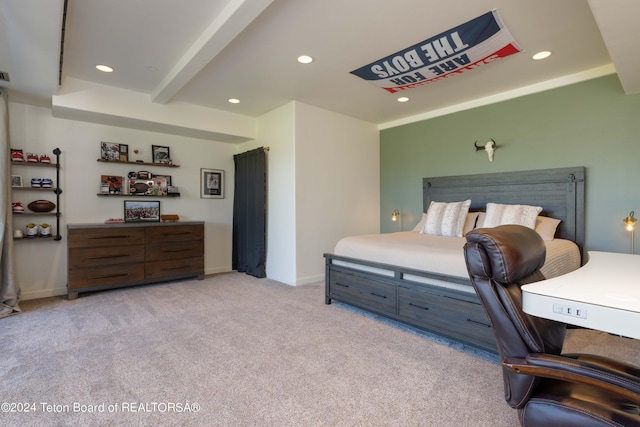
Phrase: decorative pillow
[446,219]
[480,221]
[470,222]
[498,214]
[546,227]
[420,225]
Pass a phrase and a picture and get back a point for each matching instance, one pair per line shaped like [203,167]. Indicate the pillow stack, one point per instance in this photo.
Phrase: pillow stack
[454,219]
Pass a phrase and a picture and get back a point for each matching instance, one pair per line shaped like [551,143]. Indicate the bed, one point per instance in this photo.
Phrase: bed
[421,279]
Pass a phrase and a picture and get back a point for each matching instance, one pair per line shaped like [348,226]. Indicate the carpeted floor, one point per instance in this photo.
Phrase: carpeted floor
[233,350]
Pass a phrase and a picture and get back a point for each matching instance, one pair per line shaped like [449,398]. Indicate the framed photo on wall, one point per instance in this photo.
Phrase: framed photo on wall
[160,154]
[211,183]
[141,211]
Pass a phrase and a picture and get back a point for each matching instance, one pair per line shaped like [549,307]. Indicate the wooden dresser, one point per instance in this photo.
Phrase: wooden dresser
[110,256]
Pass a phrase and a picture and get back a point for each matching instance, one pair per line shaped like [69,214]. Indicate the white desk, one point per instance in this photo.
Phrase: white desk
[604,294]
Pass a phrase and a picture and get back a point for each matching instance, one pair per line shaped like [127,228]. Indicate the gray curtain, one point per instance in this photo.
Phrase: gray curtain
[249,213]
[9,289]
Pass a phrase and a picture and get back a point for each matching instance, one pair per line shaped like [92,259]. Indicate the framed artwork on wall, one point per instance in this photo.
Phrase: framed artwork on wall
[141,211]
[160,154]
[211,183]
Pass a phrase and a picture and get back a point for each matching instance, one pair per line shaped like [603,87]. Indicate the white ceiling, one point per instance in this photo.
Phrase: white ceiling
[204,52]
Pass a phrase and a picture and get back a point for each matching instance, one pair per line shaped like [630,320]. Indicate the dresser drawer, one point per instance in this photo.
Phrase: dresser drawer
[95,257]
[367,292]
[100,276]
[175,250]
[174,233]
[174,267]
[95,237]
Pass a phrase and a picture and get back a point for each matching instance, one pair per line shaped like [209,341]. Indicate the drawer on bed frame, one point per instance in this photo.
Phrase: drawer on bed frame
[448,312]
[365,292]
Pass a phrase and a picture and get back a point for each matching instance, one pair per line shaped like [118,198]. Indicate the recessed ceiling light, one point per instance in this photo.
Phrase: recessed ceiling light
[104,68]
[305,59]
[234,100]
[541,55]
[403,99]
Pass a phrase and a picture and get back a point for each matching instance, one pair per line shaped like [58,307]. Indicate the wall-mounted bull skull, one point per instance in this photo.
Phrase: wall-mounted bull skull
[489,147]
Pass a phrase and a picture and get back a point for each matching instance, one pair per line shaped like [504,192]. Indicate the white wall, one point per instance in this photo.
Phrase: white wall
[337,184]
[35,130]
[276,131]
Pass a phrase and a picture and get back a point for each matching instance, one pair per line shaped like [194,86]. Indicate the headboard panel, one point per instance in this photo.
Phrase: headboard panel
[560,192]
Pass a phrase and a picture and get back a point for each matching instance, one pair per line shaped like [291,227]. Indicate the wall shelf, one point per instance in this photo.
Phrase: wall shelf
[41,165]
[56,190]
[52,213]
[162,165]
[138,195]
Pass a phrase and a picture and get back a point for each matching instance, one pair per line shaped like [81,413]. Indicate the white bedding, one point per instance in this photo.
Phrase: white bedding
[439,254]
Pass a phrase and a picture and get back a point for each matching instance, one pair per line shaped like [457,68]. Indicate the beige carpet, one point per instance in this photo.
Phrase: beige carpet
[237,351]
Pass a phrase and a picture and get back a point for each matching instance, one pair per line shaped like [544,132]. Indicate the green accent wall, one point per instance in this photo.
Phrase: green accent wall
[592,124]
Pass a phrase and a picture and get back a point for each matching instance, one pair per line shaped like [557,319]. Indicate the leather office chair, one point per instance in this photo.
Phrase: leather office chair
[548,389]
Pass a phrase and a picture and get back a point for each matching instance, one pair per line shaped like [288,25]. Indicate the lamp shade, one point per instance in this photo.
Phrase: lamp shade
[630,221]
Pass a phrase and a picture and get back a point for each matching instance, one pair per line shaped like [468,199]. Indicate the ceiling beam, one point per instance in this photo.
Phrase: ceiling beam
[233,19]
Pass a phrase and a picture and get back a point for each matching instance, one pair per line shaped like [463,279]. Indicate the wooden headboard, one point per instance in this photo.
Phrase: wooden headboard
[560,192]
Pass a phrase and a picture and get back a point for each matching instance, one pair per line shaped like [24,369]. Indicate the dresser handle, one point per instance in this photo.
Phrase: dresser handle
[378,295]
[340,284]
[176,234]
[108,276]
[110,257]
[479,323]
[176,268]
[109,237]
[175,250]
[418,306]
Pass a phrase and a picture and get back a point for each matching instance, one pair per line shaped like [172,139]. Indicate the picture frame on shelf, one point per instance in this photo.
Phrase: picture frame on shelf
[167,177]
[112,182]
[124,153]
[141,211]
[109,150]
[16,180]
[161,154]
[160,185]
[211,183]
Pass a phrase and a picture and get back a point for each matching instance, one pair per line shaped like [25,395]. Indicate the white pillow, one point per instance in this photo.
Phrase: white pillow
[546,227]
[498,214]
[420,224]
[480,221]
[446,219]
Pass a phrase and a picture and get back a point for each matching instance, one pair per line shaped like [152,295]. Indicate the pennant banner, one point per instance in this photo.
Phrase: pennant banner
[461,49]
